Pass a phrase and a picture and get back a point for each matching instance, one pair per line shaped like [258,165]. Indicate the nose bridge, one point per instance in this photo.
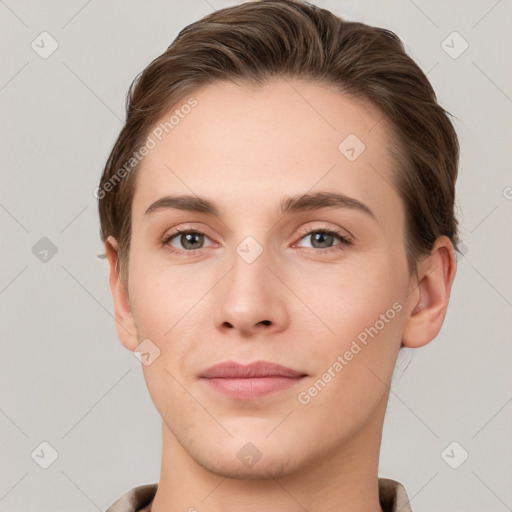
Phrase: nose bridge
[249,274]
[249,299]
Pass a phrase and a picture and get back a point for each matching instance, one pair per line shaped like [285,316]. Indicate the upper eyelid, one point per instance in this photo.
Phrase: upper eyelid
[336,230]
[302,234]
[344,239]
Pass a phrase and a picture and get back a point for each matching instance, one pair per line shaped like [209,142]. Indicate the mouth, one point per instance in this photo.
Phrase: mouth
[247,382]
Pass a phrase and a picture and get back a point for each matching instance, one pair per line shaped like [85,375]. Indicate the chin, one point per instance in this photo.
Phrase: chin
[264,465]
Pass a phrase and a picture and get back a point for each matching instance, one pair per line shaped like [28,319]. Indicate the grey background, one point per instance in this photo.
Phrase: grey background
[67,380]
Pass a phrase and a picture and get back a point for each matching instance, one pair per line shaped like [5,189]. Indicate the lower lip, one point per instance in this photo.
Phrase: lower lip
[251,388]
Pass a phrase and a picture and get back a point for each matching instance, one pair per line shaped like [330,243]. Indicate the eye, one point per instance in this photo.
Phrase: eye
[189,240]
[323,239]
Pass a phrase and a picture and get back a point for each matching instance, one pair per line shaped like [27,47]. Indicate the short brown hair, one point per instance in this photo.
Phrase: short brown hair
[253,42]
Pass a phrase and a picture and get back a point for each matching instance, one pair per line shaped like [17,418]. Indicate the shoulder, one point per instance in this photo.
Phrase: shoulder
[135,499]
[392,496]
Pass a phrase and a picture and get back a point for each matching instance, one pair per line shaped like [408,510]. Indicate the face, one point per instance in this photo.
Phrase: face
[318,285]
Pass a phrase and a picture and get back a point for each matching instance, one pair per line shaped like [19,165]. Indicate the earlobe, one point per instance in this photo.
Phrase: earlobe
[430,294]
[125,324]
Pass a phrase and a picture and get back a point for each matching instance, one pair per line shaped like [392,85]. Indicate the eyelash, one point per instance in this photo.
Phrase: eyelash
[344,241]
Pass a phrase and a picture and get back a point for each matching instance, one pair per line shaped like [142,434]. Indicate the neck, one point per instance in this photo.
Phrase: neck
[341,481]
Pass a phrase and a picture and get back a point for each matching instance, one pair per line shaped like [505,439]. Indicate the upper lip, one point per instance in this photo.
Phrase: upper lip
[233,370]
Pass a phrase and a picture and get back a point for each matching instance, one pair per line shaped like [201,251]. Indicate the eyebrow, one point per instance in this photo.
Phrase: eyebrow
[297,203]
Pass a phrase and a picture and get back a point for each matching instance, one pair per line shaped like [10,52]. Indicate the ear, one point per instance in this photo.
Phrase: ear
[125,323]
[430,294]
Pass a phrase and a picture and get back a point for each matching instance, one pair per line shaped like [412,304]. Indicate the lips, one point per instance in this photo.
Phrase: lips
[232,370]
[250,381]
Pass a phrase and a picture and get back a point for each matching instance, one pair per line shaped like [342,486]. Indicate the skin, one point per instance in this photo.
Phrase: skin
[246,149]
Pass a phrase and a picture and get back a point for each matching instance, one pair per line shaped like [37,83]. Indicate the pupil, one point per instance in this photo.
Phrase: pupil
[322,238]
[189,242]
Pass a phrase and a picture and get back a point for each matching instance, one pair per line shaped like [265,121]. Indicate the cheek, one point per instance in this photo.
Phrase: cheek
[349,299]
[170,309]
[364,309]
[166,309]
[162,297]
[354,369]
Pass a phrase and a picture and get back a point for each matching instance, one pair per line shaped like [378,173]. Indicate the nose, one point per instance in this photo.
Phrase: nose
[250,299]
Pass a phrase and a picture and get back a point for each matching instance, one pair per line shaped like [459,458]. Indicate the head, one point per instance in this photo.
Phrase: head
[249,110]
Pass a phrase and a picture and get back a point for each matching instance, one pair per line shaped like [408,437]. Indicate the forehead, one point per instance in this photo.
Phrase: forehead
[248,146]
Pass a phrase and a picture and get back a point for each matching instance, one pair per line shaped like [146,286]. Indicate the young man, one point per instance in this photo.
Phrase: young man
[278,216]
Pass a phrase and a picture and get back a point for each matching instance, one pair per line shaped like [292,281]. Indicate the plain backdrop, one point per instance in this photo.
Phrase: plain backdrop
[67,382]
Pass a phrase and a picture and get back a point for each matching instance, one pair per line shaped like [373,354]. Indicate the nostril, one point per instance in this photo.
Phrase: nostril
[266,322]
